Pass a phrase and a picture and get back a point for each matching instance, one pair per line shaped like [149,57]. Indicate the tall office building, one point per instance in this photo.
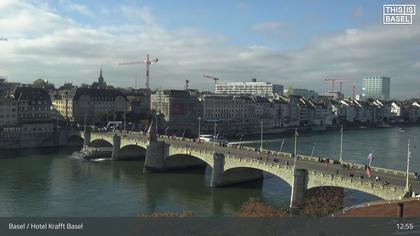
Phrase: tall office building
[264,89]
[376,87]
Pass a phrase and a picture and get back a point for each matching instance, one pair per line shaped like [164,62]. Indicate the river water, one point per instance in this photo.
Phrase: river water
[48,183]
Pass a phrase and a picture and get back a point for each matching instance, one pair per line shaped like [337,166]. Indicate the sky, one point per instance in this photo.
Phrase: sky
[294,43]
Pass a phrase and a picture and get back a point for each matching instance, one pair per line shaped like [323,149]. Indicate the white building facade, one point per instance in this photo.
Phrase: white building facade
[264,89]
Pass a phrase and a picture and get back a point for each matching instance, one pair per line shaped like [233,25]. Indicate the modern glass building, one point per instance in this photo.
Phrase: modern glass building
[376,87]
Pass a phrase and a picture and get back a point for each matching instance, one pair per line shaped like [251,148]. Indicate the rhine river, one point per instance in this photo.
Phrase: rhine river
[49,183]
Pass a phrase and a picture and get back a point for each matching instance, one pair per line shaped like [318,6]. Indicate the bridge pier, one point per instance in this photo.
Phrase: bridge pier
[218,169]
[86,140]
[116,146]
[155,156]
[221,177]
[300,185]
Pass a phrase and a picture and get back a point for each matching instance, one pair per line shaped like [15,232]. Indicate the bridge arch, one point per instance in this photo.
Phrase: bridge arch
[132,151]
[176,160]
[141,145]
[100,143]
[285,174]
[377,194]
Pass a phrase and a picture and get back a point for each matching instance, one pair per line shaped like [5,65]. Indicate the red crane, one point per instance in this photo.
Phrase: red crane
[213,78]
[148,62]
[341,81]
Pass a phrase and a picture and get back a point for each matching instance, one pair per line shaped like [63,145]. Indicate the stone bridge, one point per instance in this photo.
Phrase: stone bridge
[234,164]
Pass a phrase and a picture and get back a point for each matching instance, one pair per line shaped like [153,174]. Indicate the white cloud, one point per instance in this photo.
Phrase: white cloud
[138,13]
[79,8]
[60,50]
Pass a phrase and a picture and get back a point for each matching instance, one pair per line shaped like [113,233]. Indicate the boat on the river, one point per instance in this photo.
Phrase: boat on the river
[93,154]
[402,130]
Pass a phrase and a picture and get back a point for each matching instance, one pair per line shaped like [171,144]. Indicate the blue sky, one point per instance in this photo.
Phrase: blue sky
[236,19]
[294,43]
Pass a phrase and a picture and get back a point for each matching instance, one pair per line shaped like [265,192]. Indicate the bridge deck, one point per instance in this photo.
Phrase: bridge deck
[393,177]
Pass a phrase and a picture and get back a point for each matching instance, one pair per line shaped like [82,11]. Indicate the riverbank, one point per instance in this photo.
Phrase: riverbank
[289,131]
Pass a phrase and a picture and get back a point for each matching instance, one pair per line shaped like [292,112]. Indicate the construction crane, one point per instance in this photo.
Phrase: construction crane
[341,81]
[332,83]
[354,92]
[186,84]
[213,78]
[148,62]
[341,85]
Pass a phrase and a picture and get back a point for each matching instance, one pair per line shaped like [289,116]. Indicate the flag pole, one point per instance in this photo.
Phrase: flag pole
[408,165]
[281,146]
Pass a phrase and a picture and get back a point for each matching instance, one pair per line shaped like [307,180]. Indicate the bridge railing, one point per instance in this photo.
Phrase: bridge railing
[382,170]
[308,158]
[352,180]
[370,183]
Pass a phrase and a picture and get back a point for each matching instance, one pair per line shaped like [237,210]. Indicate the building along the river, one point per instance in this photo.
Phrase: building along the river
[179,108]
[264,89]
[32,125]
[90,103]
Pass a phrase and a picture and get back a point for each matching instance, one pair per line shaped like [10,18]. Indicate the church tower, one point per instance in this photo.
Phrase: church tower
[101,81]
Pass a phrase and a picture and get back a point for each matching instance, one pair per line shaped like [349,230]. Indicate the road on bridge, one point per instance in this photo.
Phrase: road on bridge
[334,169]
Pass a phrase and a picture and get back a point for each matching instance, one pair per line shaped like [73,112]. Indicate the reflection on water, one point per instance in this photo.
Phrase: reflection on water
[48,183]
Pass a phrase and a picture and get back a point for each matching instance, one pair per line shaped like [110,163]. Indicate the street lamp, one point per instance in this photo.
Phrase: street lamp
[407,187]
[125,122]
[262,130]
[156,120]
[341,145]
[199,127]
[214,137]
[295,151]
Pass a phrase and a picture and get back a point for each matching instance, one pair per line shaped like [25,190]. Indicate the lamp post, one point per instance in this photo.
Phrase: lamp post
[84,123]
[199,127]
[214,137]
[125,122]
[407,187]
[341,145]
[295,151]
[84,129]
[156,120]
[262,135]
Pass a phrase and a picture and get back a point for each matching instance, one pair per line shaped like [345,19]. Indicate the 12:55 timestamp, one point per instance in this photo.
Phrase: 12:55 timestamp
[405,226]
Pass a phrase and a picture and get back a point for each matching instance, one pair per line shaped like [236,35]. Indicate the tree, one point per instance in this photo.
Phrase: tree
[255,208]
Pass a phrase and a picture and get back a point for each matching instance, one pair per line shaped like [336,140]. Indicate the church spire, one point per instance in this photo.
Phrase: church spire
[101,81]
[101,78]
